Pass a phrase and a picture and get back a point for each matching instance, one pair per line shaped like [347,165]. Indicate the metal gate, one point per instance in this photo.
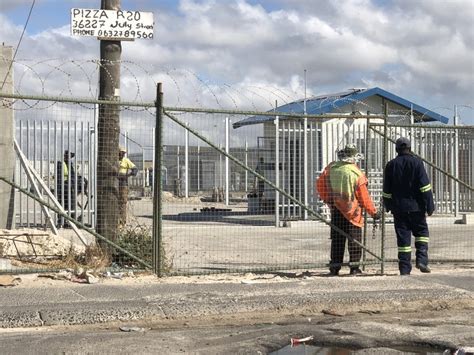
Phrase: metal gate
[200,234]
[448,157]
[43,143]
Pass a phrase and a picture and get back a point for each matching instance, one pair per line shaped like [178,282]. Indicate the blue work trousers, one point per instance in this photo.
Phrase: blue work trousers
[406,224]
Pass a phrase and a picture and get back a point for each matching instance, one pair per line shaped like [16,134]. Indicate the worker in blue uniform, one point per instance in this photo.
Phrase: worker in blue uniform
[407,194]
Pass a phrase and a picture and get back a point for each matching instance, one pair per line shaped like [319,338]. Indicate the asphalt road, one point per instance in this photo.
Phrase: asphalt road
[360,333]
[244,314]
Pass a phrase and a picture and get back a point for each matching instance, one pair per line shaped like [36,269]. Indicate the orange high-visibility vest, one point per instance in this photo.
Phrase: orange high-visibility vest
[344,186]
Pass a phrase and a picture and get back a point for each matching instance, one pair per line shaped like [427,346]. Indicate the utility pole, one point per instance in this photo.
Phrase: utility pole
[108,133]
[7,193]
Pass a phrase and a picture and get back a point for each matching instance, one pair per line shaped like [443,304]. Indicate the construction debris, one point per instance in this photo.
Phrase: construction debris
[9,280]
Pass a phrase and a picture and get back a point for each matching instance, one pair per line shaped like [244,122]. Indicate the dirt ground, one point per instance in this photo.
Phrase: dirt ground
[230,240]
[43,280]
[365,325]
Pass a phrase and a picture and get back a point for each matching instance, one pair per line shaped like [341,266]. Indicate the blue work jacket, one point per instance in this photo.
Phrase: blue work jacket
[406,187]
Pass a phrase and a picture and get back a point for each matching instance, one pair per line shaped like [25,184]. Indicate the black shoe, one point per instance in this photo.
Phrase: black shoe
[404,274]
[333,272]
[423,268]
[356,271]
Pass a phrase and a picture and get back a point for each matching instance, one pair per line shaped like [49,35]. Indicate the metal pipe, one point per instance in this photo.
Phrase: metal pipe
[48,154]
[83,170]
[69,164]
[246,164]
[167,108]
[198,167]
[288,168]
[143,170]
[126,142]
[227,161]
[456,163]
[34,164]
[384,162]
[367,157]
[94,166]
[186,162]
[295,156]
[75,167]
[178,172]
[311,164]
[284,167]
[157,256]
[425,126]
[305,165]
[277,171]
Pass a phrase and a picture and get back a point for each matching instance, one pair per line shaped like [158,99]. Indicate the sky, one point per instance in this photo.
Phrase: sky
[248,53]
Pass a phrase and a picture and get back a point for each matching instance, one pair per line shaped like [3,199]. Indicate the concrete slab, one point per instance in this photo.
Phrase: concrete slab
[68,304]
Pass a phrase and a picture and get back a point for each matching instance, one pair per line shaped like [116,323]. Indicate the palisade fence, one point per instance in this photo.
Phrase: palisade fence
[227,198]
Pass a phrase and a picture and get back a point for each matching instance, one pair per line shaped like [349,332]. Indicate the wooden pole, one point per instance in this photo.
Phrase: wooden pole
[108,134]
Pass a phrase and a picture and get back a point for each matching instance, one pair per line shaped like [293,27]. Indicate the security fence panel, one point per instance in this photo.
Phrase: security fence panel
[54,182]
[262,213]
[449,167]
[43,144]
[208,191]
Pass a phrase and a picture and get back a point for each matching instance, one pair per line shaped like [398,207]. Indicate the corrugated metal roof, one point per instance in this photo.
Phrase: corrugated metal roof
[331,103]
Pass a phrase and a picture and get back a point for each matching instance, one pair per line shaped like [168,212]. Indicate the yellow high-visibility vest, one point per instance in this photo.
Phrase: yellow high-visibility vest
[125,165]
[65,171]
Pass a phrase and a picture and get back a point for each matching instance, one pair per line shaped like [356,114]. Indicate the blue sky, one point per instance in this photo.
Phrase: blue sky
[421,50]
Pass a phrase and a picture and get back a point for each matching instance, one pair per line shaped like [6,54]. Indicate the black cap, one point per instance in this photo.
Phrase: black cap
[402,143]
[69,154]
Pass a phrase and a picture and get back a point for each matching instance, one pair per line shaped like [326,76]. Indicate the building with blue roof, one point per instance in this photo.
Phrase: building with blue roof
[302,146]
[350,102]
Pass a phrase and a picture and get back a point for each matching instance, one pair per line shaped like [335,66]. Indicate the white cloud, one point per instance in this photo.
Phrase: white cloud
[7,5]
[420,51]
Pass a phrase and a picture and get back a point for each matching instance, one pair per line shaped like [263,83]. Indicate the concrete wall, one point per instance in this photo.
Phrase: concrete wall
[7,162]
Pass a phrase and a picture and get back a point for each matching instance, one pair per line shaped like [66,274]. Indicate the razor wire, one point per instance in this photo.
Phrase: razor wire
[79,77]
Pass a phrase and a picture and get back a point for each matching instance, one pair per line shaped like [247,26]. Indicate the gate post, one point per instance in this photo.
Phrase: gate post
[277,171]
[456,163]
[384,162]
[157,252]
[227,168]
[366,149]
[186,162]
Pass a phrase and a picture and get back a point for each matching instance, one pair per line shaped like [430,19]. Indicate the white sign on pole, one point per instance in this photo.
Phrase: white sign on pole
[112,24]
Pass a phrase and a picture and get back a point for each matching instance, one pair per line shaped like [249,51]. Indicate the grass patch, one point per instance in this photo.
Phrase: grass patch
[138,241]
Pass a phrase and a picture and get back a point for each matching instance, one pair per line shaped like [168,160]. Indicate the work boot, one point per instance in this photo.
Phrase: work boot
[423,268]
[356,271]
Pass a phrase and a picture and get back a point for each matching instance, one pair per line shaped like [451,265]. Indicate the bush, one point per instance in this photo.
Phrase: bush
[137,241]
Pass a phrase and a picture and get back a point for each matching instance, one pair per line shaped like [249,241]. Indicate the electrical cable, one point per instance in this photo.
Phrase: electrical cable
[19,42]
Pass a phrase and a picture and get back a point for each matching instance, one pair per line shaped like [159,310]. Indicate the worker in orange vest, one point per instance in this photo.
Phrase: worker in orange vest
[343,187]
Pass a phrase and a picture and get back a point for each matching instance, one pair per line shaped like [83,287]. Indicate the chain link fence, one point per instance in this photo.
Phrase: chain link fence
[229,197]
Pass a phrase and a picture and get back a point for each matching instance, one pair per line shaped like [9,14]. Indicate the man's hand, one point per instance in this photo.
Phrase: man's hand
[377,216]
[430,213]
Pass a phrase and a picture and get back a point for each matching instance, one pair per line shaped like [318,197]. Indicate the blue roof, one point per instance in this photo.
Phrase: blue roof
[331,103]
